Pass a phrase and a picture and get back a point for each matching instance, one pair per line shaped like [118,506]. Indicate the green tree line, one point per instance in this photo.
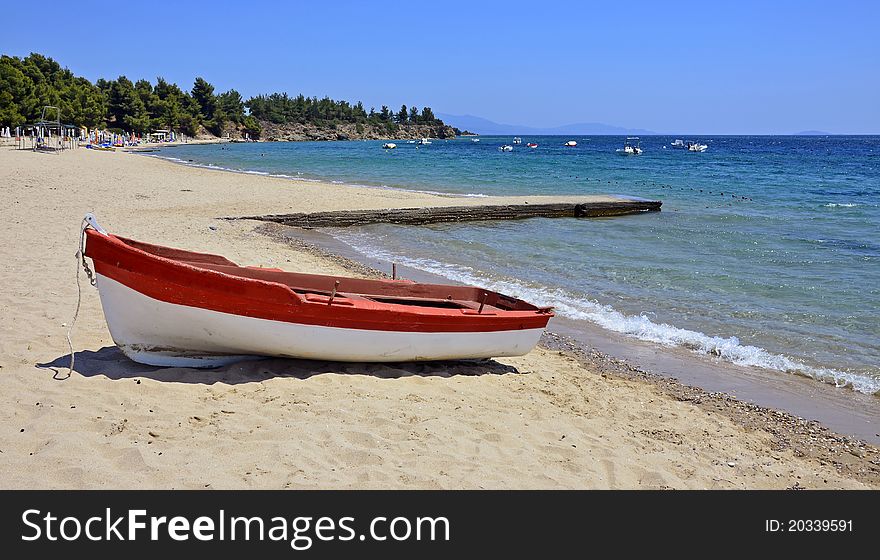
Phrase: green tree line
[30,83]
[280,108]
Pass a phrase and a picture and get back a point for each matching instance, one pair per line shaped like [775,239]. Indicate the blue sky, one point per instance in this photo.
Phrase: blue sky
[692,67]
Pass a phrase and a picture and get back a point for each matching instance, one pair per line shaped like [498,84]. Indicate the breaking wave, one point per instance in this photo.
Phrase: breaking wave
[729,349]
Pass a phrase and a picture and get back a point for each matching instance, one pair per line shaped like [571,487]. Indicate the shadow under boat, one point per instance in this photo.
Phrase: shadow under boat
[111,363]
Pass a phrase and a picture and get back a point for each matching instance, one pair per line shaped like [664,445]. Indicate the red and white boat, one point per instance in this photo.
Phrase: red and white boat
[171,307]
[532,145]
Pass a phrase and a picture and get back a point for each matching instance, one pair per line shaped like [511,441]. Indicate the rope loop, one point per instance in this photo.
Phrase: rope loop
[80,263]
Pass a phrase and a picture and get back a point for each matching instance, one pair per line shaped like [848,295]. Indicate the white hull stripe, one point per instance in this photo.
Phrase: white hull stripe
[158,333]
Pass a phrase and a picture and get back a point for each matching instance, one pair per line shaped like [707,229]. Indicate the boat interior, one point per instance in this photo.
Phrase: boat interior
[344,290]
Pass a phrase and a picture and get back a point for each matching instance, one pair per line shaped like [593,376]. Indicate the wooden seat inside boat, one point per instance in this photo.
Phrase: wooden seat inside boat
[399,292]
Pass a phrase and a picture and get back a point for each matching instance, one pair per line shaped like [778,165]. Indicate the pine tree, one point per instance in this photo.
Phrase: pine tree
[203,94]
[428,116]
[232,105]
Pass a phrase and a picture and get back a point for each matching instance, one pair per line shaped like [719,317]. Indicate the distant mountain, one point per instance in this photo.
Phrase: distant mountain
[485,126]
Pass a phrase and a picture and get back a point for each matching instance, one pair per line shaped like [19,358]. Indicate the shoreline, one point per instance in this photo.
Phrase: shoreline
[843,410]
[805,437]
[544,420]
[745,344]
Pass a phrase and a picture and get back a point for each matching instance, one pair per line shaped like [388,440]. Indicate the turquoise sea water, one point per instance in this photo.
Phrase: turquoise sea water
[766,252]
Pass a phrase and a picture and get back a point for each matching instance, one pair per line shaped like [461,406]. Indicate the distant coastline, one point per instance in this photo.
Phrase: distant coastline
[484,126]
[488,127]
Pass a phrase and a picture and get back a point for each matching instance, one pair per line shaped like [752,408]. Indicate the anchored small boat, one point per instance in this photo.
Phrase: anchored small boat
[571,143]
[389,145]
[517,140]
[506,148]
[631,147]
[532,145]
[424,141]
[696,147]
[172,307]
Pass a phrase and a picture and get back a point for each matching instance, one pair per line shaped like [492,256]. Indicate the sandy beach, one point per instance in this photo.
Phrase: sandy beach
[555,418]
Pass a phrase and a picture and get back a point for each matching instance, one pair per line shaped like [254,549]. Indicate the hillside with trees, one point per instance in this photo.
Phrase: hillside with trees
[309,118]
[30,83]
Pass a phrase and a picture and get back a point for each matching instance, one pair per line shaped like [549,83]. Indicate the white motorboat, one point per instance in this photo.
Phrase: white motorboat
[506,148]
[517,140]
[424,142]
[678,144]
[631,147]
[389,145]
[571,143]
[696,147]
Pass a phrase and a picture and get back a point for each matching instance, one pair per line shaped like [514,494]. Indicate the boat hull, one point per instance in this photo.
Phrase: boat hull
[172,307]
[161,333]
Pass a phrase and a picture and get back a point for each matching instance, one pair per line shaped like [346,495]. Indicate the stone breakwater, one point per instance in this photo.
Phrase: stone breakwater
[441,214]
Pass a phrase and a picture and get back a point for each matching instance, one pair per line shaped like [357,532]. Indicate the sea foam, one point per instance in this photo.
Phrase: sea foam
[728,349]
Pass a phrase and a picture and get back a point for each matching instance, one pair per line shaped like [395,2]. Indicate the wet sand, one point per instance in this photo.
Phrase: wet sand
[842,410]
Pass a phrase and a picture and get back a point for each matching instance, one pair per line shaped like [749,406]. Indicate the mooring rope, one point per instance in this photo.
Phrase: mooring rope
[80,262]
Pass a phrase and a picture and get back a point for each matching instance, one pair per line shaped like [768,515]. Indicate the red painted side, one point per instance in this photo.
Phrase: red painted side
[193,279]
